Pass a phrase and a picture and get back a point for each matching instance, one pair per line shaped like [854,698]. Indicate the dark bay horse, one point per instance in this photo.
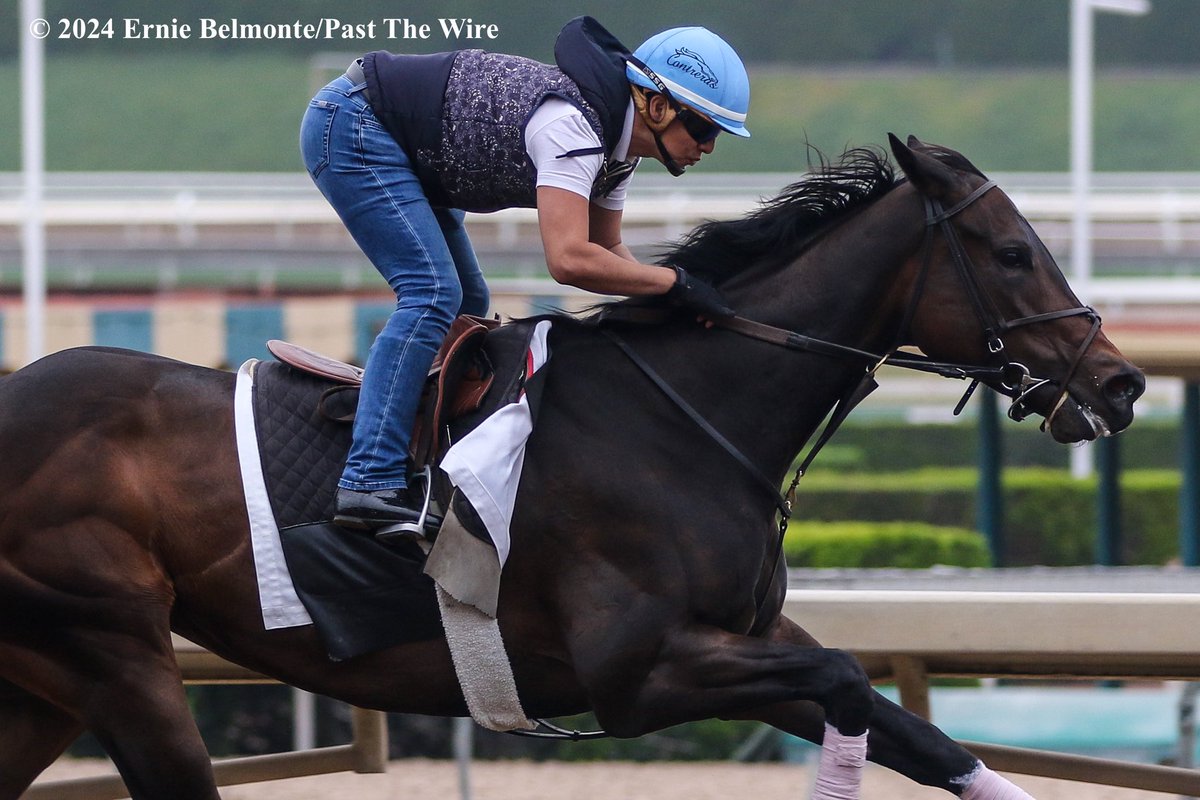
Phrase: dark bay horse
[643,582]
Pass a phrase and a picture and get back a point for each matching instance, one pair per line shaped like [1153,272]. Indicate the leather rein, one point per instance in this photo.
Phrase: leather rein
[1010,378]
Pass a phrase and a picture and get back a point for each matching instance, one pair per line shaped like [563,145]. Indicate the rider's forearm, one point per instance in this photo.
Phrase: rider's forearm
[591,267]
[624,252]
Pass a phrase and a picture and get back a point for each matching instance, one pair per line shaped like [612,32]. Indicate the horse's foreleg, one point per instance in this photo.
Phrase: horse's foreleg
[696,672]
[699,672]
[32,734]
[898,740]
[915,747]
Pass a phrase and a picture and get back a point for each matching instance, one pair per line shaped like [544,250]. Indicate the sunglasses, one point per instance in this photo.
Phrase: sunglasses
[702,129]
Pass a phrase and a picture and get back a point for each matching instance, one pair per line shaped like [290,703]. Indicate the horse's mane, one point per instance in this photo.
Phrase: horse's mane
[718,249]
[778,229]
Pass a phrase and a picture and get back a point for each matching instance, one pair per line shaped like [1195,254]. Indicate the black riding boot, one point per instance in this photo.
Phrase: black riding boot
[390,513]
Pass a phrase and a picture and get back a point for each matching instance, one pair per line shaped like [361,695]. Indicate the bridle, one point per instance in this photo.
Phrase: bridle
[1010,378]
[994,325]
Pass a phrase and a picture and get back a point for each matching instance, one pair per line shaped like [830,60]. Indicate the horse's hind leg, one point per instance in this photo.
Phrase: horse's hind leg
[125,688]
[140,715]
[107,661]
[33,733]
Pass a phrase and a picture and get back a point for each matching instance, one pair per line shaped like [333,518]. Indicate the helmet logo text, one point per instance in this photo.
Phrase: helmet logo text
[690,62]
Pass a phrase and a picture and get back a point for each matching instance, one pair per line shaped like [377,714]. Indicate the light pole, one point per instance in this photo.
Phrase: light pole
[1082,64]
[33,230]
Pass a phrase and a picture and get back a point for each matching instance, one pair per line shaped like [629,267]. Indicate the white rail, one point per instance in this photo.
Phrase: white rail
[1145,218]
[1012,630]
[265,198]
[908,636]
[260,197]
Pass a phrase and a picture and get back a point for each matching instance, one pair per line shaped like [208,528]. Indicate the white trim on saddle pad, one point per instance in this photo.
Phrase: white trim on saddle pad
[281,606]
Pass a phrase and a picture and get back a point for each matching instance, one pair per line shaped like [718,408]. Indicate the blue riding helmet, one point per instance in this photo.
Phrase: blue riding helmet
[698,69]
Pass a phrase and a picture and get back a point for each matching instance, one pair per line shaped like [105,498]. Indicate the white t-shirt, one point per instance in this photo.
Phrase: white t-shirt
[558,127]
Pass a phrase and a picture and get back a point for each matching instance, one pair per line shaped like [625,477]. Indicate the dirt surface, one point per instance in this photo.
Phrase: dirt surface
[524,780]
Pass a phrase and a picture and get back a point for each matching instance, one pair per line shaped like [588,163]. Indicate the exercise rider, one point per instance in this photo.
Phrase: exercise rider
[402,145]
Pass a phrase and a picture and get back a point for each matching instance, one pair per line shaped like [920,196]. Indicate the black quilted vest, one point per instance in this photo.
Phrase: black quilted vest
[461,116]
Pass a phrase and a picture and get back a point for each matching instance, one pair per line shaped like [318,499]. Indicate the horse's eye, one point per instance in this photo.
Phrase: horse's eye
[1013,258]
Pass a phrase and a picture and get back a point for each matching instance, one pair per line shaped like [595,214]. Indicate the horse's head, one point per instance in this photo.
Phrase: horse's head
[991,293]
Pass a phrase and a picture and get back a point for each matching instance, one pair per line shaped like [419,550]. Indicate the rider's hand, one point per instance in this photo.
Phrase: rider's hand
[697,295]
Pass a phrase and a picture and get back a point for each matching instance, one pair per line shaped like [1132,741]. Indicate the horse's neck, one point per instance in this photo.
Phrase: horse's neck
[848,288]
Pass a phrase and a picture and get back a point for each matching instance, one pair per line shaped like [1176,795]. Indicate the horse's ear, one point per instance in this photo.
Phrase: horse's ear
[930,176]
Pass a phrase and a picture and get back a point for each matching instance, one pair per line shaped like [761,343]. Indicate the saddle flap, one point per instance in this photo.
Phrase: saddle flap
[464,371]
[458,381]
[315,363]
[464,329]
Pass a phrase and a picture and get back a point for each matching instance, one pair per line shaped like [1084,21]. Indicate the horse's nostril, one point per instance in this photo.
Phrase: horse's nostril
[1125,387]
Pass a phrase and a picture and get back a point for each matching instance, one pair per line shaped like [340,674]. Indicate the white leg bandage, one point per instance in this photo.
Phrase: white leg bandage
[983,784]
[839,774]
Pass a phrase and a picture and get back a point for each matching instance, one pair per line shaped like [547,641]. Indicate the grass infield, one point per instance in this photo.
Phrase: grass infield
[168,112]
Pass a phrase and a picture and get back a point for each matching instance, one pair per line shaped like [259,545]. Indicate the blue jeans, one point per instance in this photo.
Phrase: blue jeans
[422,252]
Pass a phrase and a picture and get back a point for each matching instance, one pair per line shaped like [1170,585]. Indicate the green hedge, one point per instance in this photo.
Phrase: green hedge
[886,445]
[908,545]
[1049,517]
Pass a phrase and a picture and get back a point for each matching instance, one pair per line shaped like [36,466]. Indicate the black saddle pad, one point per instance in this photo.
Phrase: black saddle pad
[301,440]
[362,595]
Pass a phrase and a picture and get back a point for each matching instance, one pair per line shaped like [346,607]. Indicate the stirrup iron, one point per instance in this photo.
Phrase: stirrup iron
[426,525]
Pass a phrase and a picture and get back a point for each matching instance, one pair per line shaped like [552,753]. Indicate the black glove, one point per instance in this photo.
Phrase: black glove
[696,295]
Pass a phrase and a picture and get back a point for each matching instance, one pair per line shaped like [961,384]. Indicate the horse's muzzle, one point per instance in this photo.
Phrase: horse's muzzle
[1090,410]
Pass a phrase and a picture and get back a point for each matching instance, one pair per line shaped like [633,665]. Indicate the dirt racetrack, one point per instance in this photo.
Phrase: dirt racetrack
[525,780]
